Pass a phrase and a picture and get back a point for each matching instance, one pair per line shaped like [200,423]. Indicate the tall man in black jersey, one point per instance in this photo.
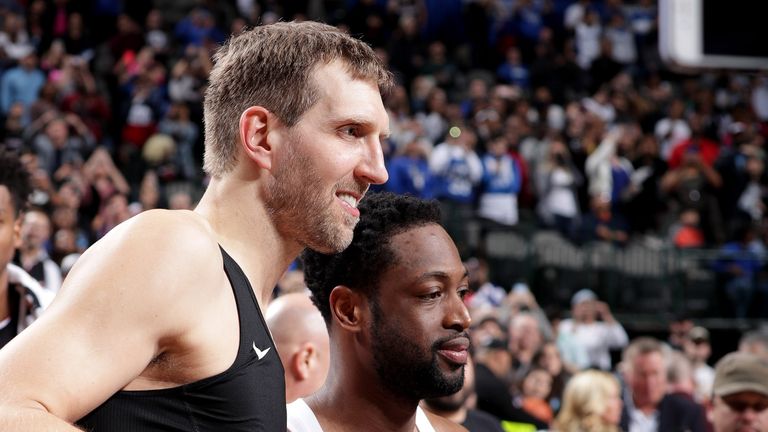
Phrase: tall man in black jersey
[159,326]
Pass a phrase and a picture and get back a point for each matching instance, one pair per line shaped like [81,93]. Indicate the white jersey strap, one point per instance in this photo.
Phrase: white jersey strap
[301,418]
[422,421]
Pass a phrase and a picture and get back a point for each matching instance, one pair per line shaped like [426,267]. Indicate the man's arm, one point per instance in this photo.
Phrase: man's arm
[122,301]
[614,335]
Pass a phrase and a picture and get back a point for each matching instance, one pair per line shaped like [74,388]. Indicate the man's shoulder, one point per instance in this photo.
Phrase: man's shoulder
[481,420]
[677,402]
[678,409]
[681,412]
[155,253]
[163,232]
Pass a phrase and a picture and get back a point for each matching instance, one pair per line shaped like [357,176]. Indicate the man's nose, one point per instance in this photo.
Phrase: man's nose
[457,316]
[371,168]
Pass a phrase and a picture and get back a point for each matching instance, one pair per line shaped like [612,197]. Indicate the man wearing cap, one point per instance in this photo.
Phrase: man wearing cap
[593,326]
[697,349]
[740,400]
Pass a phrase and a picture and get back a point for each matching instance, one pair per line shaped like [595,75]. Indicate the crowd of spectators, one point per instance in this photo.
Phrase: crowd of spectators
[533,369]
[552,114]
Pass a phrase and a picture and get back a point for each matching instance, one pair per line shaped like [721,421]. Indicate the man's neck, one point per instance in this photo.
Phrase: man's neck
[29,256]
[524,355]
[245,230]
[349,400]
[499,369]
[646,408]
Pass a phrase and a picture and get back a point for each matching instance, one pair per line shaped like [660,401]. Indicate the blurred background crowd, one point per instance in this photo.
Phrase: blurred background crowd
[564,153]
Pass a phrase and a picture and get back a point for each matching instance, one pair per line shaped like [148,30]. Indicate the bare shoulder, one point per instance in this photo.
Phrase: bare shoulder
[442,424]
[131,296]
[154,259]
[157,242]
[162,231]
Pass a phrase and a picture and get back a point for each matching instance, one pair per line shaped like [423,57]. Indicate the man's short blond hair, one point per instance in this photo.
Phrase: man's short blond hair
[271,66]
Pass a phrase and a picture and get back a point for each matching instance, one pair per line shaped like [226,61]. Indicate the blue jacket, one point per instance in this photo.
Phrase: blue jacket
[501,175]
[408,175]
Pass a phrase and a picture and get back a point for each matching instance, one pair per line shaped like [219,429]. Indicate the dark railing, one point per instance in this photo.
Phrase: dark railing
[649,281]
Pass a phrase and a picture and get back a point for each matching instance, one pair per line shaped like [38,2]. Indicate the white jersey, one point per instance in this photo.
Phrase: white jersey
[302,419]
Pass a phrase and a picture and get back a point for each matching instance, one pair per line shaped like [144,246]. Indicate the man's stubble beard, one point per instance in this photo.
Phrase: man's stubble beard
[301,212]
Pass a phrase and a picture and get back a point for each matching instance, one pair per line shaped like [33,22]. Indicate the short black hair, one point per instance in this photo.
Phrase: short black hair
[382,216]
[14,176]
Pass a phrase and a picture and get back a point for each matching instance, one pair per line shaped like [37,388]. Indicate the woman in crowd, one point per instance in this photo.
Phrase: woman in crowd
[591,403]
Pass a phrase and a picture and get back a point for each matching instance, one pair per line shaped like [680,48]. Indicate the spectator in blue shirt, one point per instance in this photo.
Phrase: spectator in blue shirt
[456,171]
[513,71]
[739,264]
[21,84]
[409,170]
[500,183]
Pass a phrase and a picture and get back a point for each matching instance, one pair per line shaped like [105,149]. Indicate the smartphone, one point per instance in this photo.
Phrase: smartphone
[713,34]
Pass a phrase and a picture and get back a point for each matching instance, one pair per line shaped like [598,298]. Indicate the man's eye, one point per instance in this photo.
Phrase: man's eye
[432,295]
[351,131]
[463,292]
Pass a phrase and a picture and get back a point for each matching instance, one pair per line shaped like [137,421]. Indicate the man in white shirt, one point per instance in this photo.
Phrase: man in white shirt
[648,405]
[593,326]
[394,305]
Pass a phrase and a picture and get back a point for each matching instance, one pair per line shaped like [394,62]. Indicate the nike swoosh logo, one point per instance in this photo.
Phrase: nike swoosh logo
[259,353]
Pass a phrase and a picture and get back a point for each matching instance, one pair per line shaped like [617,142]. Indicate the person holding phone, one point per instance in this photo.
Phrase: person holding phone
[593,326]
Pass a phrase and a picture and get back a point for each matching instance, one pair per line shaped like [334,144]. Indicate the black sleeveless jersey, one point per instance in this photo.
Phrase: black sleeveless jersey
[249,396]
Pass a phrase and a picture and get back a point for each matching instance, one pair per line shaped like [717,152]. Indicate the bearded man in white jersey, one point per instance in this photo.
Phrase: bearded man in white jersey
[393,302]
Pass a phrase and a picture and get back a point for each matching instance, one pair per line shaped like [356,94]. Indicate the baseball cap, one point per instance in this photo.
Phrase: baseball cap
[582,296]
[740,372]
[698,334]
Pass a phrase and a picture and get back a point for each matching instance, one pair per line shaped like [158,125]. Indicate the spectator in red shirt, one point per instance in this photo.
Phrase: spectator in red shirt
[698,143]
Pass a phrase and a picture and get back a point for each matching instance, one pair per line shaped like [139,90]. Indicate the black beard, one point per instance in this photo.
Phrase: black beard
[402,366]
[448,404]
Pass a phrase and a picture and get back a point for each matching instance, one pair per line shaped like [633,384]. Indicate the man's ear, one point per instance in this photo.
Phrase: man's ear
[255,124]
[17,231]
[347,308]
[303,360]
